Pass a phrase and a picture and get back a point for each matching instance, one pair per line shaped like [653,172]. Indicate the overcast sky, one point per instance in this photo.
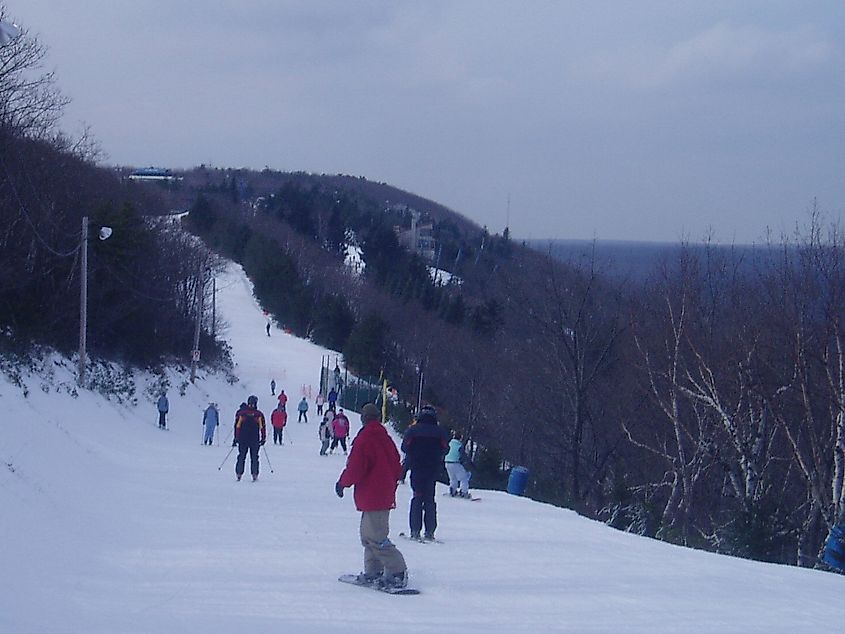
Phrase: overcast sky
[647,120]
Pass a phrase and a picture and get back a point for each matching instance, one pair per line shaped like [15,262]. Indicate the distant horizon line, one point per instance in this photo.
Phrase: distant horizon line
[629,242]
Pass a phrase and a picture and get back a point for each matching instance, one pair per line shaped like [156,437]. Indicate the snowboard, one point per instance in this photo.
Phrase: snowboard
[420,541]
[353,580]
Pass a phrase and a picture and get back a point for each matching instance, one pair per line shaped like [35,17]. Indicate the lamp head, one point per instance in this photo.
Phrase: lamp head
[8,32]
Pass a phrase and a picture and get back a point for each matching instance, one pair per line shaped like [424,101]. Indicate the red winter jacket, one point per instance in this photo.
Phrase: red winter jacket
[340,426]
[278,418]
[373,468]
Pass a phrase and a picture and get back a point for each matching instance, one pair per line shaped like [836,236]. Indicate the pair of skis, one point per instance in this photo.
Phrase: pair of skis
[421,540]
[461,497]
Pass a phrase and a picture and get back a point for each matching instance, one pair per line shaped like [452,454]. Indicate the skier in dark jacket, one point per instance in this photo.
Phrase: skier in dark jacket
[424,445]
[163,406]
[250,434]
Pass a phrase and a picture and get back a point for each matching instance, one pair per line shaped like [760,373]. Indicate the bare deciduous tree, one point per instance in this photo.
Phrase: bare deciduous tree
[30,101]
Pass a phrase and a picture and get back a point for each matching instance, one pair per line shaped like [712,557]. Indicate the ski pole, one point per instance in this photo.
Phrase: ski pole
[226,458]
[267,458]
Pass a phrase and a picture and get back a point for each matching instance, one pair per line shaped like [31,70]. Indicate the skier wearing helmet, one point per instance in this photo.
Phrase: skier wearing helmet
[250,434]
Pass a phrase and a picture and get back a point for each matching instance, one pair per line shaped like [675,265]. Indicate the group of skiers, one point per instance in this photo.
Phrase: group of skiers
[334,429]
[278,418]
[375,469]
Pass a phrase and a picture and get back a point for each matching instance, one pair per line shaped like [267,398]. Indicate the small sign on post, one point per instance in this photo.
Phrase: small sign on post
[195,356]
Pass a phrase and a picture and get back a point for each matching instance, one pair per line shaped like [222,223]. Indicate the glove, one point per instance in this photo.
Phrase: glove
[234,443]
[338,488]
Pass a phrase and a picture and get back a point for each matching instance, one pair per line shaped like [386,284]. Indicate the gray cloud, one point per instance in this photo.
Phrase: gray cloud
[723,51]
[608,119]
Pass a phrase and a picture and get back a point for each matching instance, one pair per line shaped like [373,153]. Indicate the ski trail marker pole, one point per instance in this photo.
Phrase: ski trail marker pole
[226,458]
[267,458]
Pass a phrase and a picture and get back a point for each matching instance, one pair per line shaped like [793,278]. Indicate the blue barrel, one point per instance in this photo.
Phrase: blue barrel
[834,549]
[517,481]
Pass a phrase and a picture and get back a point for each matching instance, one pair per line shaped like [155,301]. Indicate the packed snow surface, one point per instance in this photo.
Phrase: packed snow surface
[112,525]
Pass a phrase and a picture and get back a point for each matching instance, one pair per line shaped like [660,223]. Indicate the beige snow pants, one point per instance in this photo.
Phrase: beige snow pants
[380,555]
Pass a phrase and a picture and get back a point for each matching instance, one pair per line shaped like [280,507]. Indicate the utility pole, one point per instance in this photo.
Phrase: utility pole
[419,393]
[195,353]
[508,214]
[214,307]
[83,302]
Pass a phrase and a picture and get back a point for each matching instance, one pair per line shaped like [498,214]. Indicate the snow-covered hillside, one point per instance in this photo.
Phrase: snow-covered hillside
[110,525]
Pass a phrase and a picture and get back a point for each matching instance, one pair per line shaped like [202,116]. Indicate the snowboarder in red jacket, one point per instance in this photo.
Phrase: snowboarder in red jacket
[374,469]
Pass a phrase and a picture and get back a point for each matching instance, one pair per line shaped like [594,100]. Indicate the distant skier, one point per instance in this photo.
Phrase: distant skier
[424,445]
[268,328]
[337,379]
[210,420]
[250,435]
[340,430]
[163,406]
[324,433]
[319,401]
[283,399]
[332,398]
[373,469]
[278,419]
[302,408]
[273,387]
[456,466]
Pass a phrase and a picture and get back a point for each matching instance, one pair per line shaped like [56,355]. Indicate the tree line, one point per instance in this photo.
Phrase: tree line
[143,280]
[702,405]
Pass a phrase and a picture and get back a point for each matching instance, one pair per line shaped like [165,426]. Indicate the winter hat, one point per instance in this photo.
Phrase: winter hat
[370,412]
[427,415]
[252,401]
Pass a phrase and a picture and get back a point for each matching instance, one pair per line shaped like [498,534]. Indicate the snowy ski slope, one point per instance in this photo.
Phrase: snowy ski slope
[108,524]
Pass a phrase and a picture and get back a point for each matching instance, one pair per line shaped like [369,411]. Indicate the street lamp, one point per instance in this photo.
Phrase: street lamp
[200,300]
[8,32]
[102,234]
